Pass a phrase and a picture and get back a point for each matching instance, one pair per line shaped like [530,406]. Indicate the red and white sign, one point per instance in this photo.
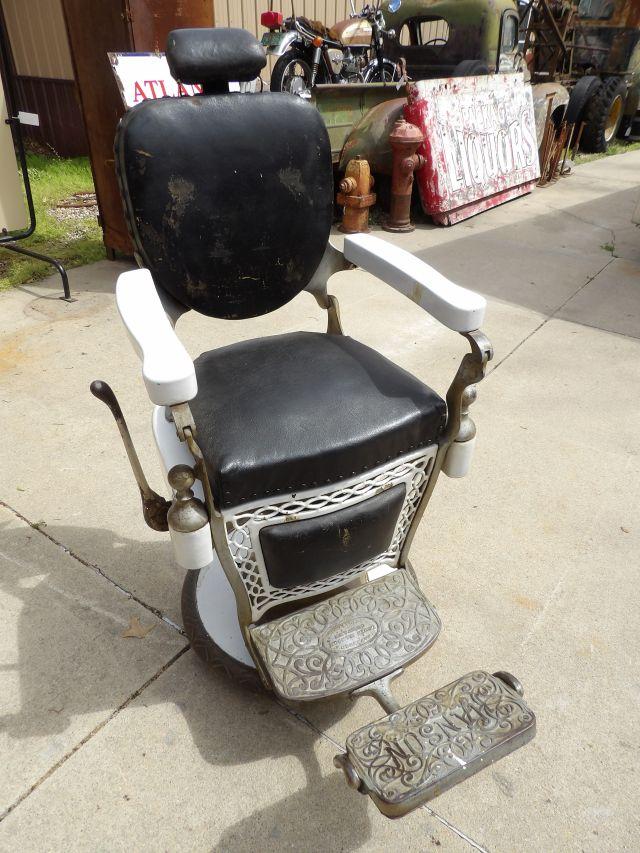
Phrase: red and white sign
[480,143]
[146,76]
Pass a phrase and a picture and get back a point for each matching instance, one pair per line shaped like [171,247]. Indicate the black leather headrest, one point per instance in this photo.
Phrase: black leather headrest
[214,56]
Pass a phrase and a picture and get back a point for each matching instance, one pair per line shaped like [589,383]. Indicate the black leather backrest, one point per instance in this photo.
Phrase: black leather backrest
[229,197]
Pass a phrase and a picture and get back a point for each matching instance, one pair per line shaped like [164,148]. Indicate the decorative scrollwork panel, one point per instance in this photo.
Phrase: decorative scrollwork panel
[243,528]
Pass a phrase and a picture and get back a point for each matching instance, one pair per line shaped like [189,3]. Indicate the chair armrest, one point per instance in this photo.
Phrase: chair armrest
[167,368]
[456,307]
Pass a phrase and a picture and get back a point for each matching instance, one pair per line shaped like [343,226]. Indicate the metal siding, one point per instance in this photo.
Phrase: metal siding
[38,38]
[56,102]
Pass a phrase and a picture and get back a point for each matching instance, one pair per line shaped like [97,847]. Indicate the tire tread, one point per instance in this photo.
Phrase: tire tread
[596,113]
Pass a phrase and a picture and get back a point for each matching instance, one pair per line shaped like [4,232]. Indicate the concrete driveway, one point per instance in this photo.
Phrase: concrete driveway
[114,743]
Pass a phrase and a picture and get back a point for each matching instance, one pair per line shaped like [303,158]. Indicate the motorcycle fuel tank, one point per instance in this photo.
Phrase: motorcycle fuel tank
[353,32]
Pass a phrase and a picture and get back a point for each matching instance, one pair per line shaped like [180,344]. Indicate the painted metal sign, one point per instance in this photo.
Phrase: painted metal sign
[146,76]
[480,143]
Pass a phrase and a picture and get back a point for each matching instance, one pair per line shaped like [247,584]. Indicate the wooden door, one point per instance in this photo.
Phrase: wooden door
[95,29]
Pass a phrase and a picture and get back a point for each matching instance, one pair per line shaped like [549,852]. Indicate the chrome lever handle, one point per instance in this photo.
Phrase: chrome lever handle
[154,506]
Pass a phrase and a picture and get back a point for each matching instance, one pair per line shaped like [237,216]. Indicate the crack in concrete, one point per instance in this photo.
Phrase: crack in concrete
[92,733]
[291,711]
[454,829]
[586,222]
[96,568]
[547,319]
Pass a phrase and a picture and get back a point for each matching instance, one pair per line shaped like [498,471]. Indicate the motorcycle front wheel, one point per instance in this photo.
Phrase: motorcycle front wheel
[291,73]
[374,74]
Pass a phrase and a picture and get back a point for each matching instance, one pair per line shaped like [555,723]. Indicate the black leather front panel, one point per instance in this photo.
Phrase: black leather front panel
[301,552]
[229,197]
[291,412]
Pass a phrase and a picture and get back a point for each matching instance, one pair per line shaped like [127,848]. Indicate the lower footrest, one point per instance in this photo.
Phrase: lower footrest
[414,754]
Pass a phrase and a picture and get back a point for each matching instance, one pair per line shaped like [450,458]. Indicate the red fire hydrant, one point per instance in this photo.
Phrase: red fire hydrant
[405,140]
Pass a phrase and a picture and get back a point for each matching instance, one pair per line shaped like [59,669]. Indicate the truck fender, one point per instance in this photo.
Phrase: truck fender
[369,138]
[560,98]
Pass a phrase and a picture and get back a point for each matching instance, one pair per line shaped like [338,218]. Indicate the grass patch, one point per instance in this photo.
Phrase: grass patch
[616,147]
[73,242]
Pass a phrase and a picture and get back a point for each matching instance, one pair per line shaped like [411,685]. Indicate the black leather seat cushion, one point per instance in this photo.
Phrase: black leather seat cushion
[293,412]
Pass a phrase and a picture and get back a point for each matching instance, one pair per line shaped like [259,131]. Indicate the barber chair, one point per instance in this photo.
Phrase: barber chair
[300,464]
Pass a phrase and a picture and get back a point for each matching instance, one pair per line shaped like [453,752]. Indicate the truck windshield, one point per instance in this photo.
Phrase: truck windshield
[423,32]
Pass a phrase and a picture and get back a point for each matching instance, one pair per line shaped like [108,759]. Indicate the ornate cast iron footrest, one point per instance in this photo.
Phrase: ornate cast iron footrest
[414,754]
[347,640]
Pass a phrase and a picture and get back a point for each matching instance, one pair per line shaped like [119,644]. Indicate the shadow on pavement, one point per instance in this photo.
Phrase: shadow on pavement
[65,656]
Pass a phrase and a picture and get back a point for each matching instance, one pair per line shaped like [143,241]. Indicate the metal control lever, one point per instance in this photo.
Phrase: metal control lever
[154,506]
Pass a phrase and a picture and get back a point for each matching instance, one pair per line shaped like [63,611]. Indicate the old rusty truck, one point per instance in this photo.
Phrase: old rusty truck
[591,48]
[435,39]
[466,56]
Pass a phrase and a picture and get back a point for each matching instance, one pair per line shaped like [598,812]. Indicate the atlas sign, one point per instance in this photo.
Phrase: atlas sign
[146,76]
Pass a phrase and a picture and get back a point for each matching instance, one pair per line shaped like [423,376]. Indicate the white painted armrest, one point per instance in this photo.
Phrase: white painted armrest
[167,368]
[456,307]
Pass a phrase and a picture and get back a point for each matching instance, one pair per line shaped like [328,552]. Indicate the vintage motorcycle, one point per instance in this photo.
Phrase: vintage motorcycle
[352,51]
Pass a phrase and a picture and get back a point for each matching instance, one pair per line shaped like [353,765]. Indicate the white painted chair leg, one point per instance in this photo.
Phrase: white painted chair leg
[457,462]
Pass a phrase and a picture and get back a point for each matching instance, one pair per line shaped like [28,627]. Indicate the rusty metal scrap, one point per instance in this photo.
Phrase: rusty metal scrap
[557,141]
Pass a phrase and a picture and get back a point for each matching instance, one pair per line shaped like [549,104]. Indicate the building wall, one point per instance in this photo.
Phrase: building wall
[44,81]
[38,38]
[246,14]
[43,74]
